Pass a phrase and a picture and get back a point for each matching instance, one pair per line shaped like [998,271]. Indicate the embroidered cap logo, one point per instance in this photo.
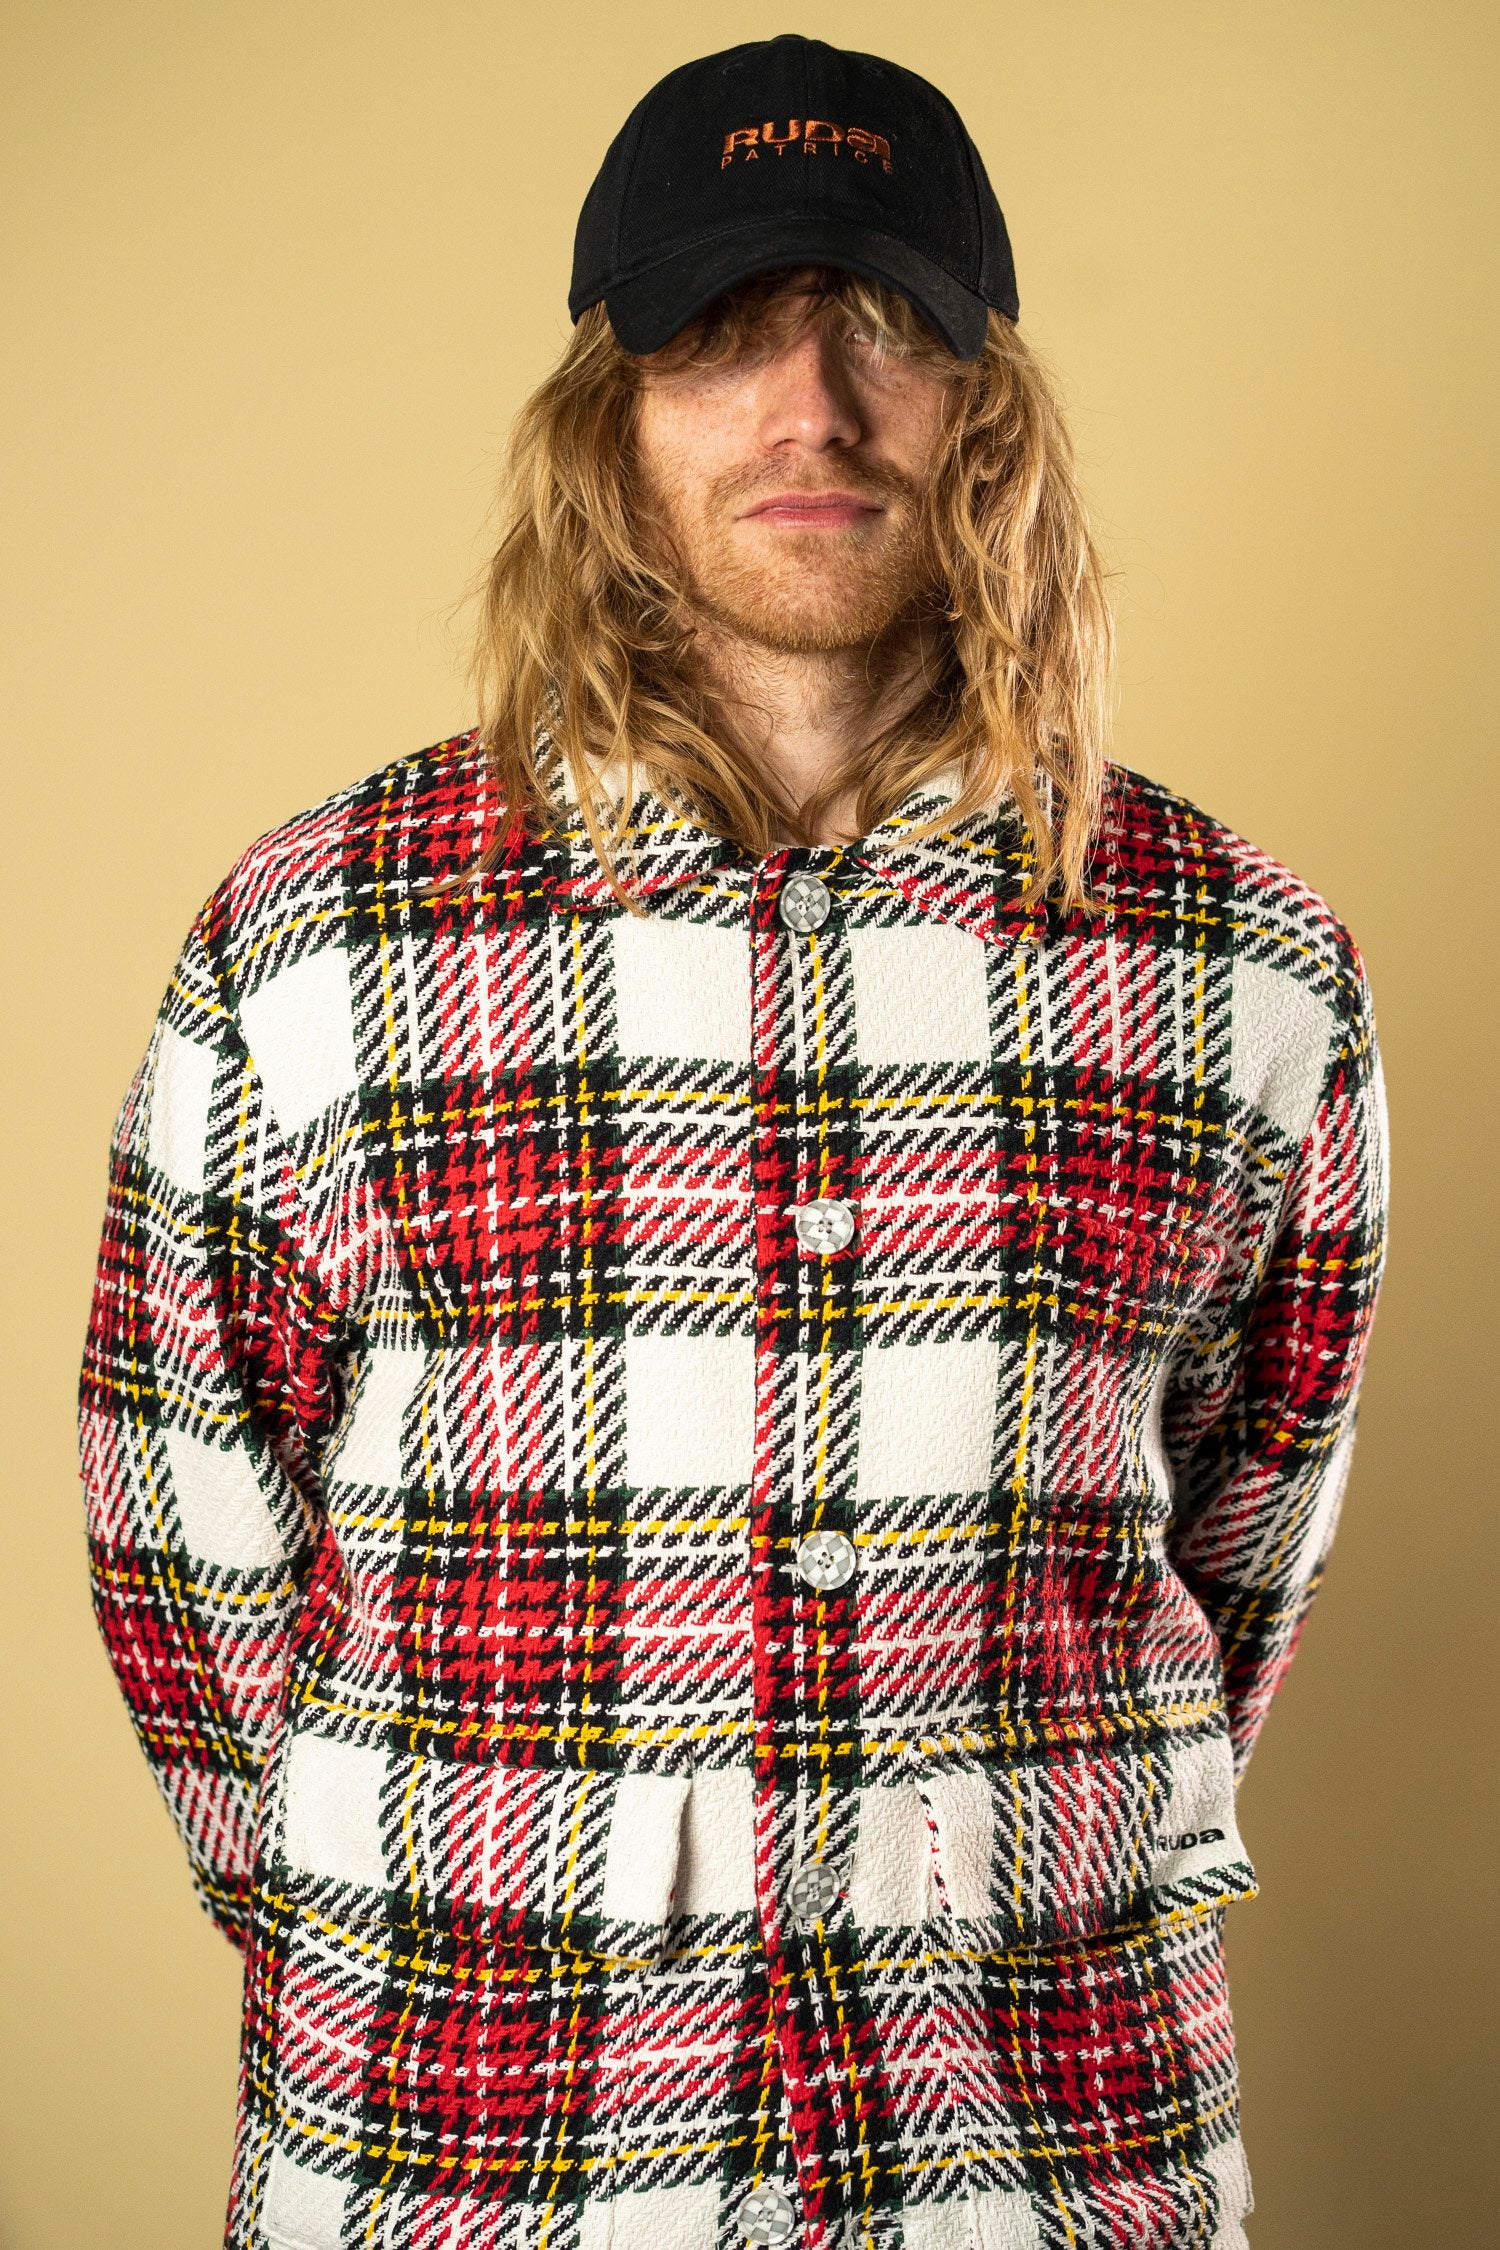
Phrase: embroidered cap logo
[815,135]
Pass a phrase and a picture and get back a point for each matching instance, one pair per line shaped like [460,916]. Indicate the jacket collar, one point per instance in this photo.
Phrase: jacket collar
[970,873]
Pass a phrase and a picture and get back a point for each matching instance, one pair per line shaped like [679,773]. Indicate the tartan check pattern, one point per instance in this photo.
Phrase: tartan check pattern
[458,1395]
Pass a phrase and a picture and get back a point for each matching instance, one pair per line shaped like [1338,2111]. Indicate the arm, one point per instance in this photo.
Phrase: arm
[1258,1415]
[208,1384]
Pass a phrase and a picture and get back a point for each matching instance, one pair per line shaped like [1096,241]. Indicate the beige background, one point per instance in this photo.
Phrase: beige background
[283,272]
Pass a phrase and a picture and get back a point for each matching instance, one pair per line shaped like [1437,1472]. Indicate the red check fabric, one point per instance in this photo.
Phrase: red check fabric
[673,1715]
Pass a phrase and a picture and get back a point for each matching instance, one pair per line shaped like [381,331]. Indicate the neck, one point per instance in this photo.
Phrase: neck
[807,716]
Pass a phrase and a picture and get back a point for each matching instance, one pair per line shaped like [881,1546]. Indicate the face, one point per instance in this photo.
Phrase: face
[791,478]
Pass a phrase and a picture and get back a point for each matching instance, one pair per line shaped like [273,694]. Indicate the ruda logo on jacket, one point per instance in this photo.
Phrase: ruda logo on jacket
[815,134]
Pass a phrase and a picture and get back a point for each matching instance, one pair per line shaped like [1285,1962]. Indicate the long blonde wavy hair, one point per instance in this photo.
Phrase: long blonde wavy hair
[582,654]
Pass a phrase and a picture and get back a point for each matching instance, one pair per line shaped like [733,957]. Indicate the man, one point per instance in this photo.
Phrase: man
[727,1336]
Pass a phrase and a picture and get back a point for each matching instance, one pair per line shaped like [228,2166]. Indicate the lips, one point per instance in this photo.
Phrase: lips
[813,510]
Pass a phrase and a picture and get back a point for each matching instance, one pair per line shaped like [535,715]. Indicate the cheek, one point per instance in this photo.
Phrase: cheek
[703,431]
[684,433]
[650,449]
[908,419]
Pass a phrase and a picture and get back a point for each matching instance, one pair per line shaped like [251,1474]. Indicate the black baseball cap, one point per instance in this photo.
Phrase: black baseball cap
[789,152]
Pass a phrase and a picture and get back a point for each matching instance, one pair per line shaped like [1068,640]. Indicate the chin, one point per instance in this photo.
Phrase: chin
[809,636]
[809,623]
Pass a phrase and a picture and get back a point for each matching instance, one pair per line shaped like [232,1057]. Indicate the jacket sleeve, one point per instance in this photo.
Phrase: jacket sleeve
[1259,1409]
[209,1381]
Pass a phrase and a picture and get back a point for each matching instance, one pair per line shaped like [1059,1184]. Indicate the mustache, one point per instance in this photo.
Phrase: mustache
[742,488]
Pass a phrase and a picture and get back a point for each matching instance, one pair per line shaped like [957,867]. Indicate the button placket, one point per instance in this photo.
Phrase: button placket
[810,1135]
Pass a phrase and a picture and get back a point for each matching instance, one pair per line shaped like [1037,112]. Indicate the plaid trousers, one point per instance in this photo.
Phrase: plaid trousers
[698,1506]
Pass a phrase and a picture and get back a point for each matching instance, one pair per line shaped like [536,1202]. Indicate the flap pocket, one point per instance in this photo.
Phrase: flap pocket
[587,1861]
[1050,1848]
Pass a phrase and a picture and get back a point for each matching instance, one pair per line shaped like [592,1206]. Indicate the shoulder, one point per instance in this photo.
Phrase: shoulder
[297,889]
[1264,982]
[1172,873]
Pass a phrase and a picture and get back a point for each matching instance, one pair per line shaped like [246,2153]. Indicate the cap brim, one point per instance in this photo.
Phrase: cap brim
[648,310]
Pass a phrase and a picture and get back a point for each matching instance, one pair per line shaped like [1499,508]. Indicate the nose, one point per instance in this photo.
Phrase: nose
[807,398]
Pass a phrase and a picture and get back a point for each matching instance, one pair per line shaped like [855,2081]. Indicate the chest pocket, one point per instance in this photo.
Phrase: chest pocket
[949,1235]
[1103,1275]
[499,1194]
[586,1862]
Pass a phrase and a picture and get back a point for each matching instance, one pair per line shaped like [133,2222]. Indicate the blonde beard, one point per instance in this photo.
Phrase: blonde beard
[820,591]
[814,601]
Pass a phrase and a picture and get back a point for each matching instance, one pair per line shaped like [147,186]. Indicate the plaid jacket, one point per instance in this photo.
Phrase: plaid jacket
[697,1509]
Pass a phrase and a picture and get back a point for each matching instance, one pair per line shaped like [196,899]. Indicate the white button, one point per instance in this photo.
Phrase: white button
[825,1558]
[805,904]
[766,2215]
[813,1890]
[824,1226]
